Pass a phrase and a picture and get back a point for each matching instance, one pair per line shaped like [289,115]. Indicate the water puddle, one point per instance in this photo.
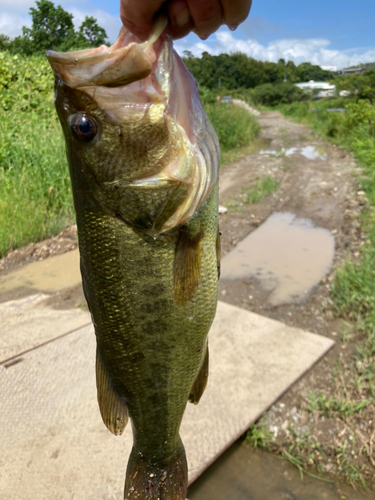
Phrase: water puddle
[49,275]
[288,255]
[309,152]
[258,145]
[243,473]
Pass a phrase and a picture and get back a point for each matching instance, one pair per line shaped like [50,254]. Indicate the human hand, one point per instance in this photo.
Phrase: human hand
[203,17]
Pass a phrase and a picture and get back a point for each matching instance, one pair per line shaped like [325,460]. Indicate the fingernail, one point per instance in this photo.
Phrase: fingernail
[233,27]
[182,18]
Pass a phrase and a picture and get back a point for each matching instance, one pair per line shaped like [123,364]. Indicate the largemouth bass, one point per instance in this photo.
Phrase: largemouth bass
[143,161]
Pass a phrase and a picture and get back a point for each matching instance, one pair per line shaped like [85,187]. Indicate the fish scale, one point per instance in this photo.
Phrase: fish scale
[145,186]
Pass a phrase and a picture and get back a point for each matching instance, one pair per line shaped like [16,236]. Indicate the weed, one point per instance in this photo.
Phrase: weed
[261,188]
[286,166]
[234,126]
[332,405]
[35,192]
[259,435]
[298,462]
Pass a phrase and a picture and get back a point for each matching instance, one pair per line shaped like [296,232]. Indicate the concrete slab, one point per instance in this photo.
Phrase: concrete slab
[55,446]
[49,275]
[26,324]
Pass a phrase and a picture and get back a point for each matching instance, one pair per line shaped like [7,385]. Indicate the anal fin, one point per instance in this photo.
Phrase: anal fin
[200,382]
[112,406]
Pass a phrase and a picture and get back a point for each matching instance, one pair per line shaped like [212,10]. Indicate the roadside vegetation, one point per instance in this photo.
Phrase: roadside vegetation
[35,194]
[235,127]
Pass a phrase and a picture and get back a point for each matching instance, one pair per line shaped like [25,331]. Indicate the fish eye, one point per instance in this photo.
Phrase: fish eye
[84,127]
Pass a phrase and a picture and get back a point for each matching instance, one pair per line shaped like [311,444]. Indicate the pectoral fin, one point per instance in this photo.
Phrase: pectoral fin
[200,382]
[186,271]
[112,406]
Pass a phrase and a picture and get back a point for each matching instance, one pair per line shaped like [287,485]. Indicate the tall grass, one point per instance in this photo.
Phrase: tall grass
[234,126]
[35,193]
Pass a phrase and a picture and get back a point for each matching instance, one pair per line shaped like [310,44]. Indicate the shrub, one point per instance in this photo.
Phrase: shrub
[234,126]
[282,93]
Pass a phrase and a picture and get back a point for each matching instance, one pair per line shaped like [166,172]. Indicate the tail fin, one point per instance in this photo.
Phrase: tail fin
[156,480]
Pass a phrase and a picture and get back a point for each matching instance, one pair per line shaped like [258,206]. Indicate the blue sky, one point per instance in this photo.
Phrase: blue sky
[329,32]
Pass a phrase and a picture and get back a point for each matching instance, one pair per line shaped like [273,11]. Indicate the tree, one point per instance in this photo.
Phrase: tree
[91,34]
[5,43]
[53,29]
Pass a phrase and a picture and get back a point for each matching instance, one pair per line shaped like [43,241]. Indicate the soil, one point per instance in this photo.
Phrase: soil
[322,190]
[65,241]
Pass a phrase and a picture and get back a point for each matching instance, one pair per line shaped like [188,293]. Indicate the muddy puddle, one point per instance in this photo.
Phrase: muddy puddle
[262,146]
[287,254]
[309,152]
[48,275]
[243,473]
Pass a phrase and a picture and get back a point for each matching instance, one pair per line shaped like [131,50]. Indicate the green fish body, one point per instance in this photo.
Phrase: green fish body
[143,162]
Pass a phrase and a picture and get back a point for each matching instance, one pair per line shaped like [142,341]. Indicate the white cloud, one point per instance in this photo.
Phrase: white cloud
[11,25]
[314,50]
[110,23]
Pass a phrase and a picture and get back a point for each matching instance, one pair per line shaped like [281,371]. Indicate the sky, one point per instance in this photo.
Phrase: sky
[325,32]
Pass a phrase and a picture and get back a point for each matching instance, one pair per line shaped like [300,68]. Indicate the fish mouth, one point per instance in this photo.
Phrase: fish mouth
[124,62]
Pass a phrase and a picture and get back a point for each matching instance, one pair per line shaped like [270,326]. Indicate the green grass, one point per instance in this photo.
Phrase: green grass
[259,436]
[234,126]
[333,406]
[261,188]
[35,193]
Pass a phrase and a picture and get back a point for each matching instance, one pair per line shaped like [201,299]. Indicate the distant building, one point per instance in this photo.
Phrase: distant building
[350,71]
[319,89]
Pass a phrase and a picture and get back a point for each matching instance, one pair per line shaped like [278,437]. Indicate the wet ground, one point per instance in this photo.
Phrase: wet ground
[243,473]
[281,273]
[287,255]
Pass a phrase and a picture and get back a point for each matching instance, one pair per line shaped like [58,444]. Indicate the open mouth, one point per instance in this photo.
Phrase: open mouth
[122,63]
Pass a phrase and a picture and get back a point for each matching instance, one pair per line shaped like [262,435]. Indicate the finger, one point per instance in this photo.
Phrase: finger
[180,19]
[235,12]
[138,16]
[207,16]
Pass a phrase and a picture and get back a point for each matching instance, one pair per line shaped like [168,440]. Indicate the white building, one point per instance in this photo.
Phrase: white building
[320,89]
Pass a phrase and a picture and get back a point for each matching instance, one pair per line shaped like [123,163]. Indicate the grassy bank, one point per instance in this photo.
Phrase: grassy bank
[235,127]
[35,192]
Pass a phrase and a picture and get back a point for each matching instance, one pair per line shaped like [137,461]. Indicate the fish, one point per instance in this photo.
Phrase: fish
[144,162]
